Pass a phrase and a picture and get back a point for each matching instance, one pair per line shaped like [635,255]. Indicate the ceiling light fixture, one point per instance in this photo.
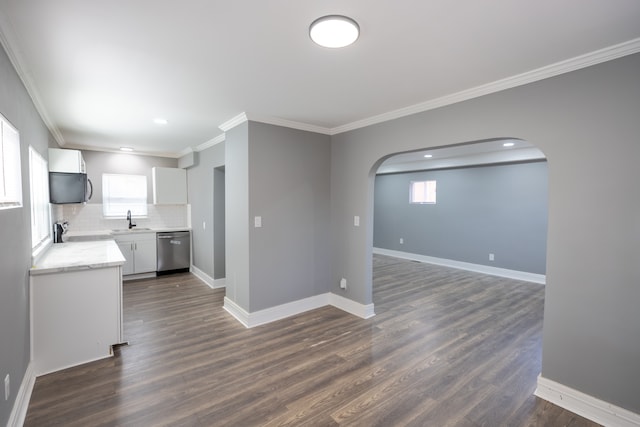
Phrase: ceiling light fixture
[334,31]
[127,149]
[508,144]
[428,156]
[160,121]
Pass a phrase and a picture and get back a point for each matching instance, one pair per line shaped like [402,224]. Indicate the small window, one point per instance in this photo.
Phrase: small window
[40,208]
[10,178]
[422,192]
[122,193]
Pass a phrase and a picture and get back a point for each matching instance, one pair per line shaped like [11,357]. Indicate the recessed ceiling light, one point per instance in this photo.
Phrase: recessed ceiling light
[126,149]
[428,156]
[334,31]
[508,144]
[160,121]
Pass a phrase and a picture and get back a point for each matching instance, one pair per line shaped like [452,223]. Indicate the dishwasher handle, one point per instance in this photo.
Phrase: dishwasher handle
[172,235]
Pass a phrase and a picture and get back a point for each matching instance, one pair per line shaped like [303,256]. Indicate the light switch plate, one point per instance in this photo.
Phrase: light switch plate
[257,222]
[356,221]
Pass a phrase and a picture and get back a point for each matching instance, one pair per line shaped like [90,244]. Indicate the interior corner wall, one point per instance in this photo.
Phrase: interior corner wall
[498,209]
[236,159]
[289,189]
[586,123]
[201,194]
[15,233]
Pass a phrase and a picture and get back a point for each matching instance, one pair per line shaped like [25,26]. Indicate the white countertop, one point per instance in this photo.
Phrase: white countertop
[62,257]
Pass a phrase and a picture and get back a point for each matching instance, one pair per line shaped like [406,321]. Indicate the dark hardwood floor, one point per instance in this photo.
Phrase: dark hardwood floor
[446,348]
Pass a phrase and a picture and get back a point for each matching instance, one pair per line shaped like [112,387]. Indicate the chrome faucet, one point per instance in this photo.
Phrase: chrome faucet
[131,225]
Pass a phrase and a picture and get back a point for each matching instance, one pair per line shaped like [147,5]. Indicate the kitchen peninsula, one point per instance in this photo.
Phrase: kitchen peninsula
[76,304]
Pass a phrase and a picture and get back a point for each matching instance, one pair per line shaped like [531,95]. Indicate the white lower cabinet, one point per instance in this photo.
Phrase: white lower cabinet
[139,250]
[75,317]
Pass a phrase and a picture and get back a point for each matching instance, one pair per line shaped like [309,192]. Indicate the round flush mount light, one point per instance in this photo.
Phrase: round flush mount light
[334,31]
[508,144]
[127,149]
[428,156]
[160,121]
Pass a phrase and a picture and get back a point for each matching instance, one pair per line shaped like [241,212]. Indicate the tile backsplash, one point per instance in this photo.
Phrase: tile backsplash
[88,217]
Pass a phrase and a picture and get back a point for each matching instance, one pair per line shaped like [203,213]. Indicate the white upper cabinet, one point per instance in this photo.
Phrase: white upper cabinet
[169,186]
[69,161]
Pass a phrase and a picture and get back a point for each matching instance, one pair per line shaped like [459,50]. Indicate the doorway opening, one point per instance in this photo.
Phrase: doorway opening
[219,250]
[487,210]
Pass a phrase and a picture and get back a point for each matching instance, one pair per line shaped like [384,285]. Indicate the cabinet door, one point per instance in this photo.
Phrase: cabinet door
[145,255]
[127,250]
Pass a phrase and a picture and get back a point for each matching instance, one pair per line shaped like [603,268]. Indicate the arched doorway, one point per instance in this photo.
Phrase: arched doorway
[488,213]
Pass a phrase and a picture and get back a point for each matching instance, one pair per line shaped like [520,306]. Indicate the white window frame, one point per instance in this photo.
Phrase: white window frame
[10,172]
[422,192]
[40,206]
[122,193]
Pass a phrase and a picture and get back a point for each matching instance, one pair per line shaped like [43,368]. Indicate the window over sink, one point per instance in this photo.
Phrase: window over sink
[122,193]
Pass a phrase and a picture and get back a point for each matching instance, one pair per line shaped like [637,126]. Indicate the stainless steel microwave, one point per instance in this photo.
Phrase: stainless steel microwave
[69,188]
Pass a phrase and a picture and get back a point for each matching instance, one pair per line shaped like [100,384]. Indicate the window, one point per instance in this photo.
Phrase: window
[40,208]
[10,178]
[122,193]
[422,192]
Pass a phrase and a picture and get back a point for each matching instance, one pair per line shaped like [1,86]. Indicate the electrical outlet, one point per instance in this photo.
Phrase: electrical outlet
[401,241]
[492,257]
[356,221]
[343,283]
[7,387]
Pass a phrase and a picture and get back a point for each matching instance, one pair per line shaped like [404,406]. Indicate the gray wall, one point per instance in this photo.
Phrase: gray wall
[236,155]
[479,210]
[281,175]
[586,123]
[99,162]
[201,193]
[289,188]
[219,235]
[15,233]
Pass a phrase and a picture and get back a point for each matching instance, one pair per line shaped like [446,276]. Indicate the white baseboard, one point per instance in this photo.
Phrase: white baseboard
[350,306]
[584,405]
[278,312]
[268,315]
[20,406]
[478,268]
[236,311]
[202,276]
[210,281]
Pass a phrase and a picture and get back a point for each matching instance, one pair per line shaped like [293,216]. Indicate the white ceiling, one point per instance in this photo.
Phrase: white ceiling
[100,71]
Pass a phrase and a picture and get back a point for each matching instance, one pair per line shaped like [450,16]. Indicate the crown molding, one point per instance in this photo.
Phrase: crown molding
[603,55]
[276,121]
[233,122]
[607,54]
[210,143]
[184,152]
[166,154]
[288,123]
[7,39]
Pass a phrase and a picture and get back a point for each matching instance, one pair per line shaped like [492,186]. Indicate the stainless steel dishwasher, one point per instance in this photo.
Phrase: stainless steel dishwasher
[174,252]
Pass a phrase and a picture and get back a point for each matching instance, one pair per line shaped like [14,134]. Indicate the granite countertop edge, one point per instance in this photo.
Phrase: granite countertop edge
[76,256]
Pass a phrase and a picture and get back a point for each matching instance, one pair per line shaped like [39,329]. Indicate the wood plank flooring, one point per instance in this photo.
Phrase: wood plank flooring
[446,348]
